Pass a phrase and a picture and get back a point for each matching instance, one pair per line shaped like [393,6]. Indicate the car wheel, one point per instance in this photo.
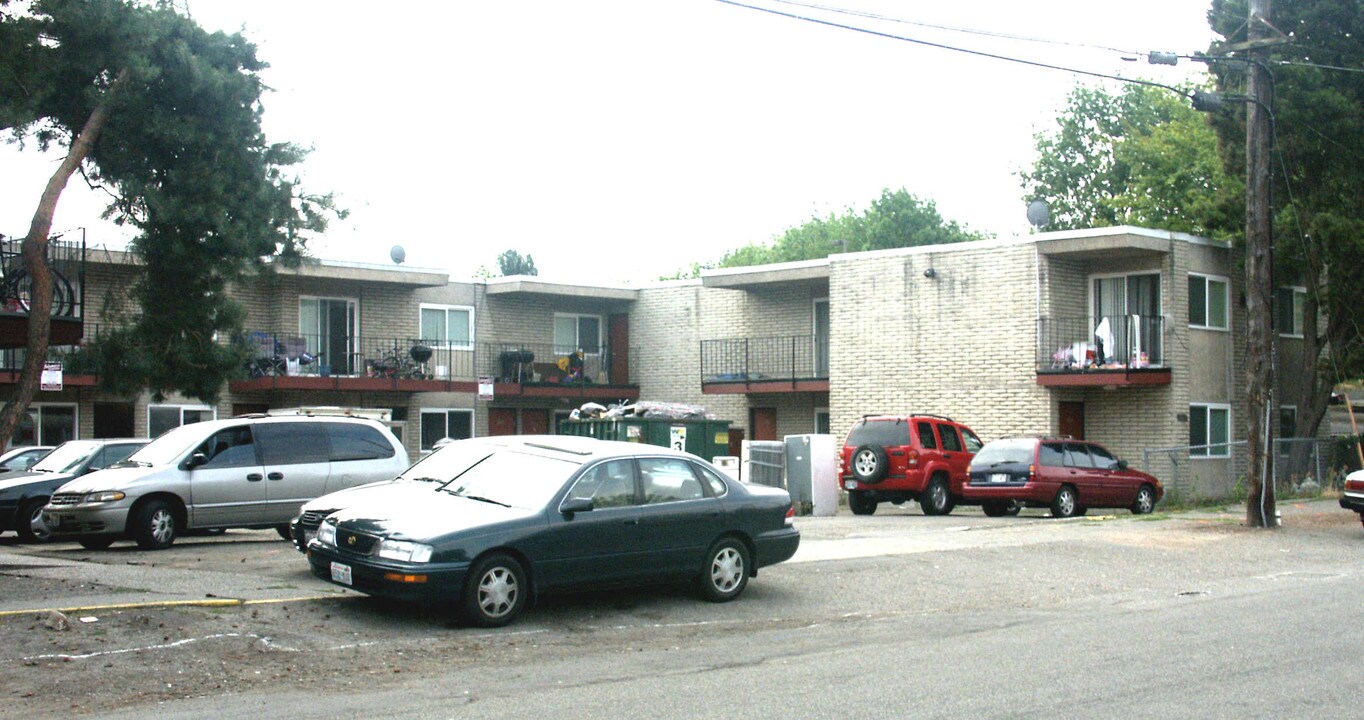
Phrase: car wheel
[726,572]
[284,532]
[154,526]
[870,463]
[936,498]
[28,522]
[495,592]
[1080,511]
[1145,502]
[1064,505]
[998,508]
[95,542]
[860,503]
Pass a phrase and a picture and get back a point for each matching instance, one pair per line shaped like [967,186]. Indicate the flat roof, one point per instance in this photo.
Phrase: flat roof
[800,271]
[533,285]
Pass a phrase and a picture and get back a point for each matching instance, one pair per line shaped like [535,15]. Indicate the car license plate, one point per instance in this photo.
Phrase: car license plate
[850,484]
[341,573]
[999,477]
[52,520]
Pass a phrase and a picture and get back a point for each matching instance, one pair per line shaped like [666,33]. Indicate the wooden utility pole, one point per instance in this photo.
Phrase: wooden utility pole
[1260,511]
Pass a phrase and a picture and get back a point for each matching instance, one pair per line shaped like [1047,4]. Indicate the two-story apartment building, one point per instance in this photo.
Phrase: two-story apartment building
[1129,336]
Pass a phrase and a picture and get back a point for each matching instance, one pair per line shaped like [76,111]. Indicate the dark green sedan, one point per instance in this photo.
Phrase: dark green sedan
[498,522]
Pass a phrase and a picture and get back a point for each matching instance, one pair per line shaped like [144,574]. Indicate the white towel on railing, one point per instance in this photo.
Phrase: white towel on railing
[1104,332]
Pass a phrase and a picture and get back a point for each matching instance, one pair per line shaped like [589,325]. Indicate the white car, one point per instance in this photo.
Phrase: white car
[1353,497]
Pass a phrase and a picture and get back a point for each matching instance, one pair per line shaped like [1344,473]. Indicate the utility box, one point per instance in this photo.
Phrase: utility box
[703,438]
[812,472]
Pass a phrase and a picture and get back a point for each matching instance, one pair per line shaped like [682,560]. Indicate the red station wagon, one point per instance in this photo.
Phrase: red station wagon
[1069,476]
[895,458]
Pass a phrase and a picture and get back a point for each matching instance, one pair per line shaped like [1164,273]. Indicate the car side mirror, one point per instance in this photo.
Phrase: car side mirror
[575,505]
[195,460]
[1122,464]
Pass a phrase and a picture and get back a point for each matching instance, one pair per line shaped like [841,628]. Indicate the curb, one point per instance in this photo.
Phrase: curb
[216,602]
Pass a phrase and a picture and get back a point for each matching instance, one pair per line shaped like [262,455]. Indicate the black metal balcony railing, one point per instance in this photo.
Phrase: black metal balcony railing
[548,363]
[1077,344]
[278,354]
[795,357]
[66,259]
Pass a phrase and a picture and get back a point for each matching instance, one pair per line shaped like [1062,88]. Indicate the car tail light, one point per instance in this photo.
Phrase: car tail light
[791,516]
[1032,473]
[912,458]
[1354,485]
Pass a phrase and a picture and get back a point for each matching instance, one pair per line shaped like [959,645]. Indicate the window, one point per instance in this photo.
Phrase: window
[293,443]
[668,480]
[357,442]
[1288,310]
[577,332]
[822,421]
[1077,455]
[447,326]
[1051,455]
[1209,430]
[229,448]
[1131,305]
[161,418]
[717,485]
[1288,427]
[610,484]
[440,424]
[926,437]
[1103,459]
[1208,302]
[951,442]
[46,425]
[973,443]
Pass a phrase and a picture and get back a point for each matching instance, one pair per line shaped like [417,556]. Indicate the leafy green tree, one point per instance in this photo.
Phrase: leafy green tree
[1143,156]
[895,219]
[511,262]
[1318,159]
[165,117]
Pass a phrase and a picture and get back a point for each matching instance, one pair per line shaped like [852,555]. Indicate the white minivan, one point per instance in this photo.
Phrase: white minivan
[246,472]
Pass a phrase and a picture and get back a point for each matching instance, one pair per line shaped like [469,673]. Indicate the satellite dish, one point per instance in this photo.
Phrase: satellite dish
[399,254]
[1039,213]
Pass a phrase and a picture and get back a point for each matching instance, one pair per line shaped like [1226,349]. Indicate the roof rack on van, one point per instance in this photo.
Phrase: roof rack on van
[381,414]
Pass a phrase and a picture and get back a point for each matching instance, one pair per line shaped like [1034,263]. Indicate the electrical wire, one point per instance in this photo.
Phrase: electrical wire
[952,28]
[953,48]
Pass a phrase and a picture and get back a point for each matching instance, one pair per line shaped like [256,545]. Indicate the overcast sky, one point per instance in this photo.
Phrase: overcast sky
[620,140]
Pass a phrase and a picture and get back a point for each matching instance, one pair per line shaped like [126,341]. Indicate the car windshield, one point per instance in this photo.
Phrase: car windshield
[885,433]
[515,479]
[67,456]
[1002,452]
[448,462]
[169,446]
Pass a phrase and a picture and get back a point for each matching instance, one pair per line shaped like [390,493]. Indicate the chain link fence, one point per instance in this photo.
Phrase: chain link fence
[1303,467]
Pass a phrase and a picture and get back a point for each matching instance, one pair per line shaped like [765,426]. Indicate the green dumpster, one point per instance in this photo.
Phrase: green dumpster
[704,438]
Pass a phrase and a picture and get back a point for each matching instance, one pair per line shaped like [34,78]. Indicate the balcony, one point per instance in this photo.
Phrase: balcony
[296,361]
[77,367]
[784,364]
[67,260]
[1083,352]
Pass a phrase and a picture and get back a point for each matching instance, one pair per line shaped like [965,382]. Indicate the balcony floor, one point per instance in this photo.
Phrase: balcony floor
[1103,377]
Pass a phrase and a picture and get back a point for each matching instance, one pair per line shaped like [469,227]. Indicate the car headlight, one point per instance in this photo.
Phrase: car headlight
[404,551]
[104,496]
[326,533]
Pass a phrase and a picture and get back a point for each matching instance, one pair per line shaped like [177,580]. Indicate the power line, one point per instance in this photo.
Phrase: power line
[941,46]
[951,28]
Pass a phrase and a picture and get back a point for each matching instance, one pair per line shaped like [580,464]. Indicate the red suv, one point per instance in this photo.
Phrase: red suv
[896,458]
[1067,475]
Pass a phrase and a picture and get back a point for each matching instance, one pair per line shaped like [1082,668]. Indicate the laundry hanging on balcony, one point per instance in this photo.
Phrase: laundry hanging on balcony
[1104,334]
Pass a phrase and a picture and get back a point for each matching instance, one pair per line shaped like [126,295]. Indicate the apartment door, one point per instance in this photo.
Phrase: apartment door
[764,423]
[501,421]
[736,442]
[1131,305]
[1071,419]
[328,326]
[534,422]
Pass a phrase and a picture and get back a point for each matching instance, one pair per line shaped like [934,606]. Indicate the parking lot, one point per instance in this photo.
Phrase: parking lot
[239,616]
